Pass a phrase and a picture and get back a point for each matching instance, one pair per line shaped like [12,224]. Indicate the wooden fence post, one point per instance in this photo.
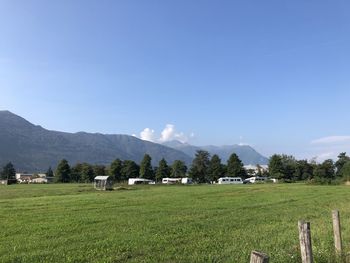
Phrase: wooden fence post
[336,231]
[305,242]
[258,257]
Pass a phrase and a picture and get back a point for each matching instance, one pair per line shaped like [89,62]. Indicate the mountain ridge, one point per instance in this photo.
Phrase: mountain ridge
[246,153]
[33,148]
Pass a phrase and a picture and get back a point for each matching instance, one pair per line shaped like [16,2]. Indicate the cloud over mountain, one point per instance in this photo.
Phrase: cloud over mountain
[169,133]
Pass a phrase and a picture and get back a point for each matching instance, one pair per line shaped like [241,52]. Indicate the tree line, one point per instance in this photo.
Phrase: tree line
[204,169]
[287,168]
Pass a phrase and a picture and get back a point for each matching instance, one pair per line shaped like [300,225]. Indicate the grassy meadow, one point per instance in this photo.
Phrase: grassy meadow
[204,223]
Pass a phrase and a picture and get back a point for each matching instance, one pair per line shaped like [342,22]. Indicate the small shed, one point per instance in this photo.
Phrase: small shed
[103,183]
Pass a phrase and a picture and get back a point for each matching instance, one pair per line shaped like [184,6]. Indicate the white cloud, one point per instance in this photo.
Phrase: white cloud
[332,140]
[326,155]
[169,133]
[329,147]
[147,135]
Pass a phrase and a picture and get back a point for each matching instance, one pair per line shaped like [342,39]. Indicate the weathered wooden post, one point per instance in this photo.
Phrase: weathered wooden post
[258,257]
[336,231]
[305,242]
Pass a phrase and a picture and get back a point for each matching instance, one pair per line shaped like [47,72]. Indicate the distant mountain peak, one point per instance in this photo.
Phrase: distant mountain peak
[246,153]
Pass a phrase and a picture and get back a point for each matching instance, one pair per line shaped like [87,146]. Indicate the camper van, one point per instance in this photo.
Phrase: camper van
[171,180]
[230,180]
[133,181]
[255,179]
[186,180]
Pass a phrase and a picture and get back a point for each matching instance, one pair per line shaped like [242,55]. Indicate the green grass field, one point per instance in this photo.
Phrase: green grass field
[208,223]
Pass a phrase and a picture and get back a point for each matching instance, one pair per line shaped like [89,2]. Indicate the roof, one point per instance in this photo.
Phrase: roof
[102,177]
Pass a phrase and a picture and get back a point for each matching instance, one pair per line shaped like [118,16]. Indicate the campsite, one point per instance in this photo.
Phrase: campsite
[167,223]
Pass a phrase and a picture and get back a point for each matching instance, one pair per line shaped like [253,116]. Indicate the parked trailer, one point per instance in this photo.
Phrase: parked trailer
[186,180]
[230,180]
[171,180]
[133,181]
[255,179]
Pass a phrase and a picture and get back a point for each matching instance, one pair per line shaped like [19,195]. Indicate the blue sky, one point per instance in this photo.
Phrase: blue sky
[272,74]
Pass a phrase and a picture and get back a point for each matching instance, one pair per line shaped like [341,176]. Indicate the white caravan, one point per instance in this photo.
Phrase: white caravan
[133,181]
[230,180]
[171,180]
[186,180]
[256,179]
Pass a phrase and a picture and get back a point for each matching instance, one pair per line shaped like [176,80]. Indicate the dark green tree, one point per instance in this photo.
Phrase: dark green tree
[8,172]
[146,170]
[178,169]
[325,170]
[303,170]
[76,172]
[276,169]
[200,167]
[235,167]
[163,170]
[99,169]
[216,169]
[289,166]
[342,160]
[130,170]
[63,172]
[49,172]
[116,170]
[87,173]
[345,171]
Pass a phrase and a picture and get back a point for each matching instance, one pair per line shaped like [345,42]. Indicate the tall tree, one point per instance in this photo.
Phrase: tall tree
[99,169]
[325,170]
[163,170]
[76,172]
[63,172]
[342,160]
[303,170]
[129,170]
[289,166]
[146,170]
[178,169]
[216,169]
[235,167]
[87,173]
[345,171]
[116,169]
[200,167]
[8,172]
[49,172]
[276,166]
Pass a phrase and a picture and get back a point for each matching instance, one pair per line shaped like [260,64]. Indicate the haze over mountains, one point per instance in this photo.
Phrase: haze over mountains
[245,152]
[32,148]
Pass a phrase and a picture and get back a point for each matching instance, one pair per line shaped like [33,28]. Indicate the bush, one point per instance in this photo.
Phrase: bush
[324,181]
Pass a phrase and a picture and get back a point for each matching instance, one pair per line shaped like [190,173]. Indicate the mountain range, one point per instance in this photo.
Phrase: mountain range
[32,148]
[245,152]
